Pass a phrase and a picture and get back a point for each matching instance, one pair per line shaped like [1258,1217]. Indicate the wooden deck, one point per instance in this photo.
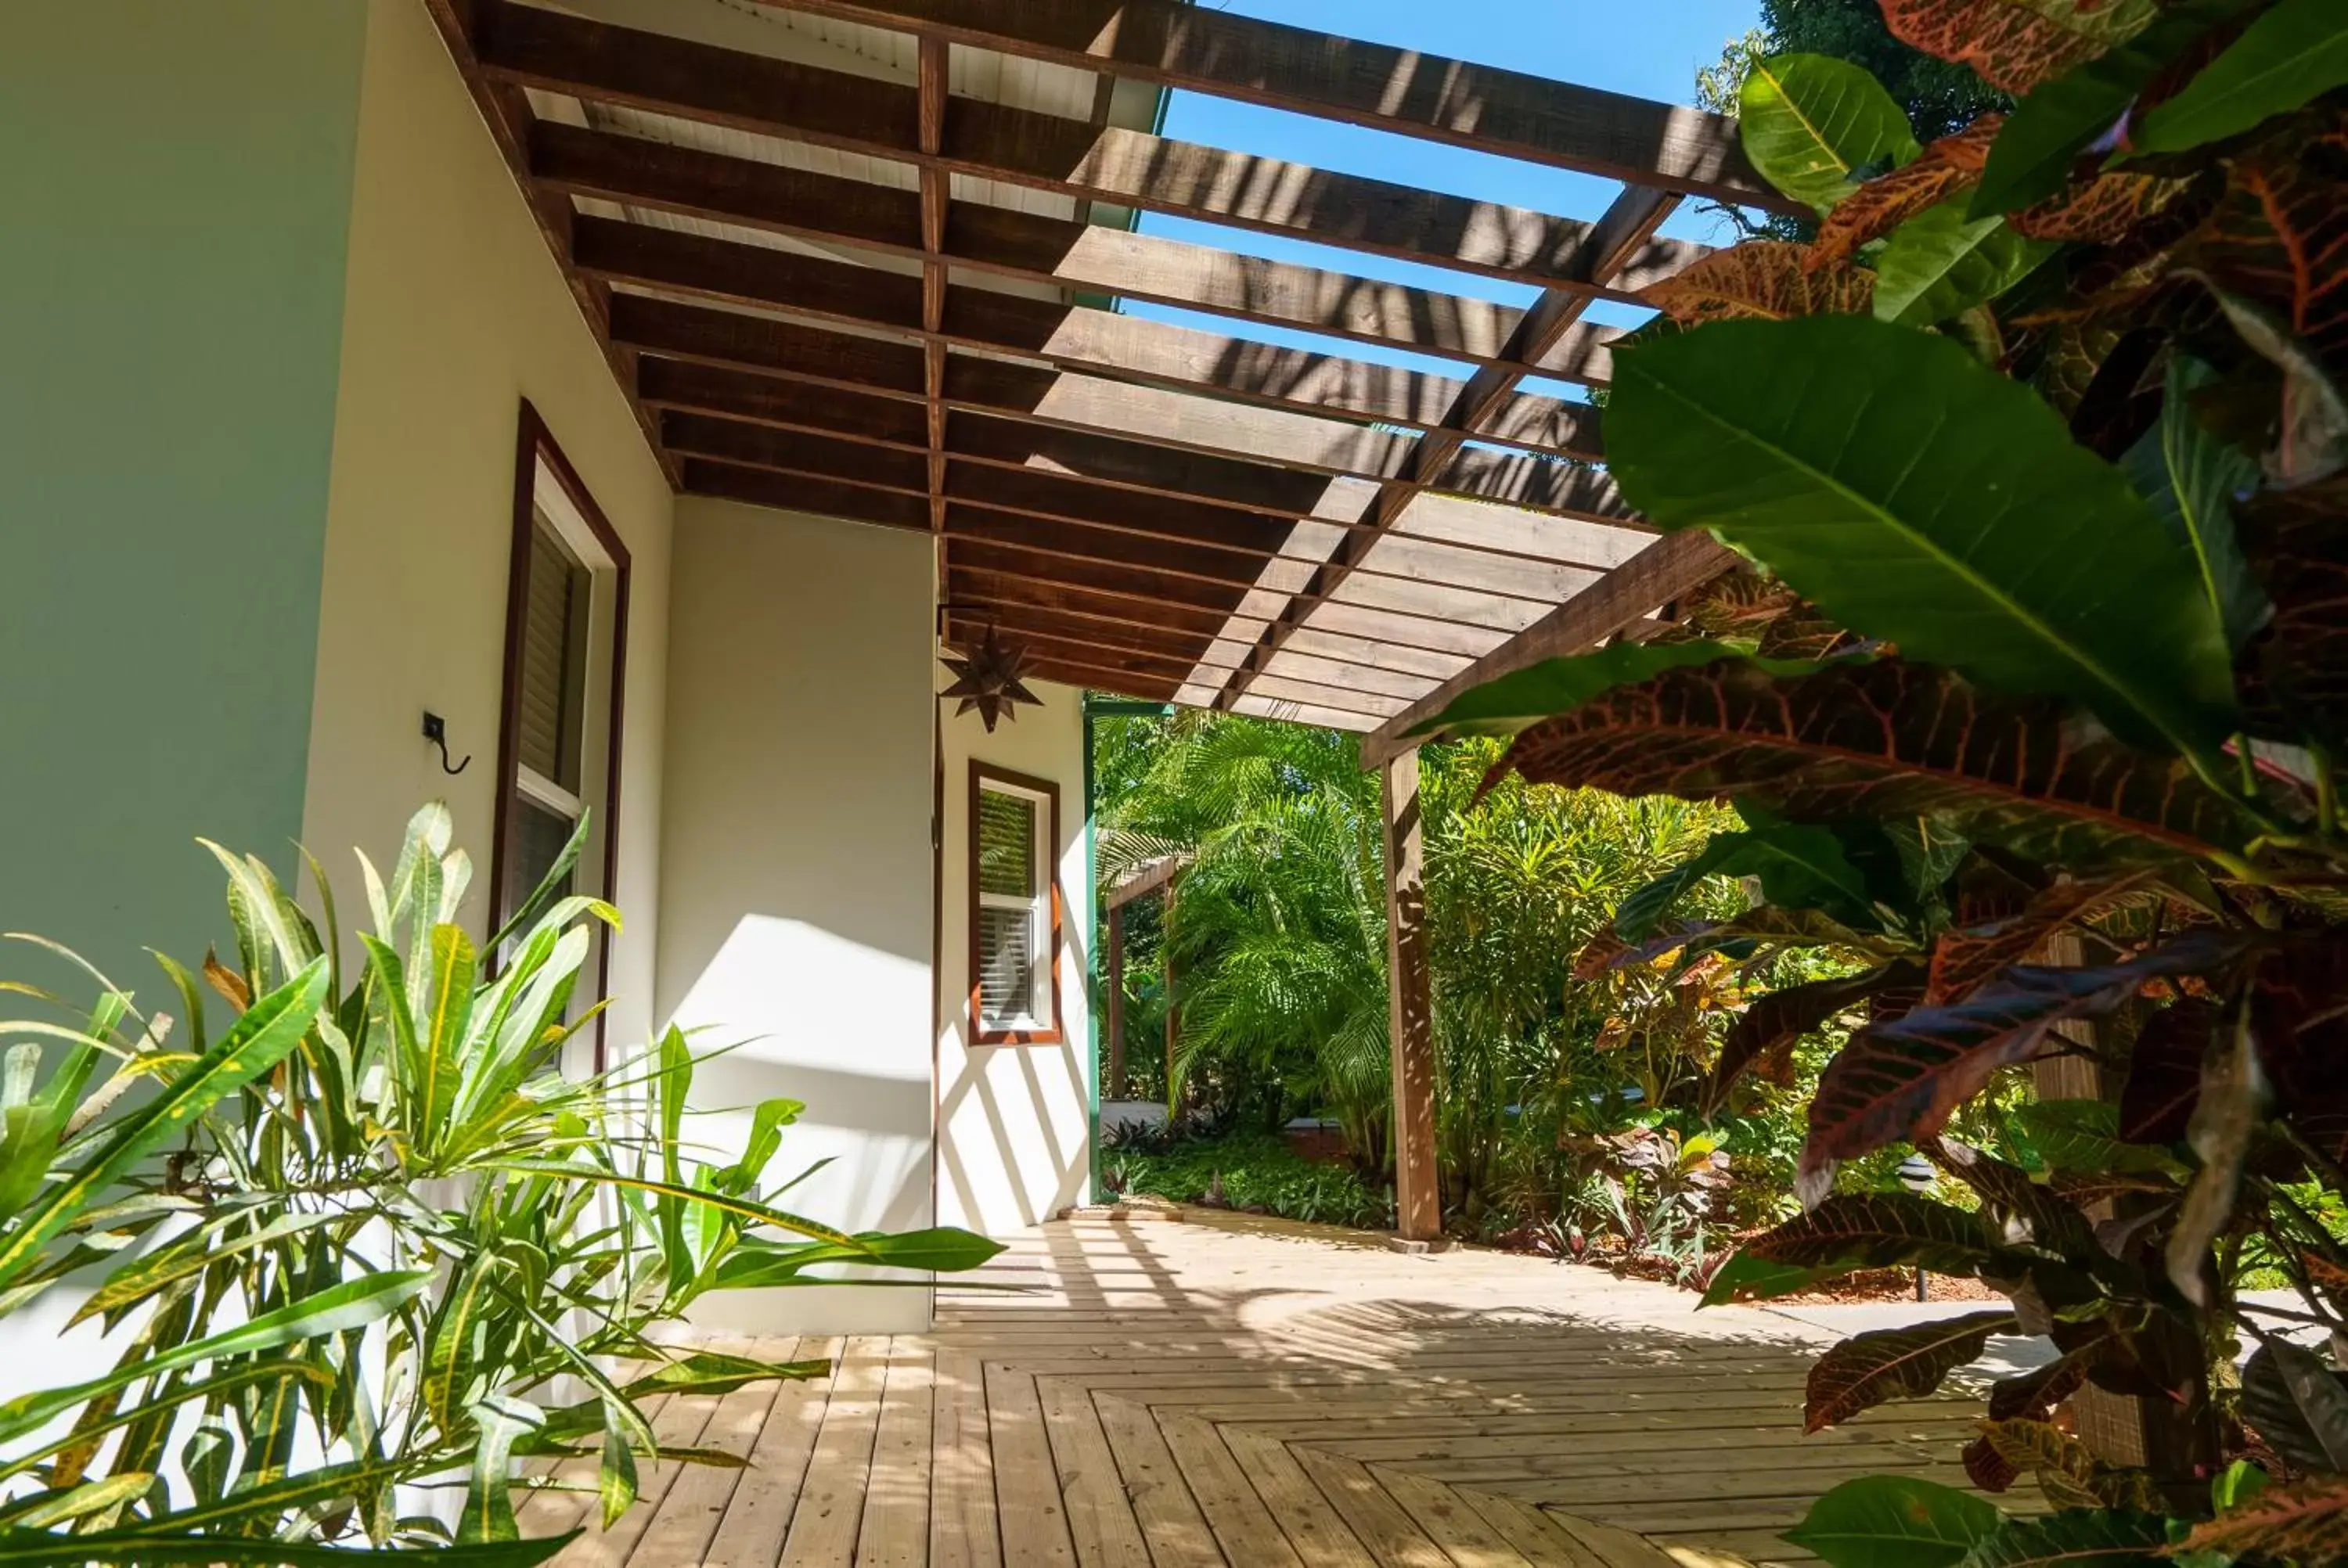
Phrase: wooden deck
[1253,1393]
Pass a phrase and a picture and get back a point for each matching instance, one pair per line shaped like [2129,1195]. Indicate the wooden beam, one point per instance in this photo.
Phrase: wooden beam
[1156,874]
[1211,50]
[1410,1008]
[1051,251]
[980,584]
[555,52]
[1328,389]
[933,204]
[1136,417]
[506,112]
[964,629]
[1629,223]
[1159,416]
[1670,568]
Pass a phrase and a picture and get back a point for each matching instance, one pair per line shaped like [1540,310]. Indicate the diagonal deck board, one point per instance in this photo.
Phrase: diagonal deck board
[1245,1392]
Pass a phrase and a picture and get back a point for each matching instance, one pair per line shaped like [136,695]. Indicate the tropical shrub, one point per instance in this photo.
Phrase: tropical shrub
[354,1237]
[2040,451]
[1253,1172]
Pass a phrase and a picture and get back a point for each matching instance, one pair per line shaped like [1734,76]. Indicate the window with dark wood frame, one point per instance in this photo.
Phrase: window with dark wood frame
[1016,917]
[566,653]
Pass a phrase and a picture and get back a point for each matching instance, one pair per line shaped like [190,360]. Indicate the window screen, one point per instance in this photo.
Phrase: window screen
[553,661]
[1012,912]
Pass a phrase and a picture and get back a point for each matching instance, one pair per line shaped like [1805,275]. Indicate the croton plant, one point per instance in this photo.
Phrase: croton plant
[2033,695]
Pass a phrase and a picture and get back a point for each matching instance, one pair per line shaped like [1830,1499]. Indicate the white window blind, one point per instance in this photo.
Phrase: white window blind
[1015,914]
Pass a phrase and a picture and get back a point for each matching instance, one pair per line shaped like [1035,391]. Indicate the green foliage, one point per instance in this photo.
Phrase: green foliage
[1255,1172]
[1894,1522]
[1814,125]
[2079,484]
[353,1242]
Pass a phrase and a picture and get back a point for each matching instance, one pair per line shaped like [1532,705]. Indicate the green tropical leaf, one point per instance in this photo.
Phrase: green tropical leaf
[351,1305]
[2191,478]
[1895,1521]
[2082,1136]
[1918,496]
[489,1512]
[265,1036]
[741,1208]
[1810,123]
[709,1372]
[615,1476]
[1869,1370]
[2077,1538]
[446,1015]
[2291,56]
[1940,264]
[189,1256]
[1892,741]
[1748,1276]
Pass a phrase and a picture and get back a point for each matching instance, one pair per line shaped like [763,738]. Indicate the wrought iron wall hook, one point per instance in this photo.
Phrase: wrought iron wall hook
[435,730]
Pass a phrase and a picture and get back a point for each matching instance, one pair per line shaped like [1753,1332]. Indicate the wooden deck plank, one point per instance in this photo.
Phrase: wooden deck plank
[1033,1520]
[687,1519]
[831,1513]
[1169,1517]
[758,1517]
[1448,1521]
[896,1532]
[680,1422]
[1303,1513]
[1242,1525]
[1381,1523]
[1101,1521]
[963,1529]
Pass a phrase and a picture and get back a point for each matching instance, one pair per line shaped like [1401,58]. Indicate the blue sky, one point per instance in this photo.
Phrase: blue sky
[1648,47]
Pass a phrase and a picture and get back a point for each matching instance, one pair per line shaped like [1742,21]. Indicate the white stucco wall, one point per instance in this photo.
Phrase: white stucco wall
[1014,1121]
[796,872]
[456,312]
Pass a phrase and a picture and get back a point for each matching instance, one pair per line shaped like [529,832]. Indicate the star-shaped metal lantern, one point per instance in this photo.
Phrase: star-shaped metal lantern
[987,678]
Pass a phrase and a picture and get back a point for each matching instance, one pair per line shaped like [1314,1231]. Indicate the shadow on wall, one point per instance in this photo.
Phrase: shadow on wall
[803,1013]
[1028,1105]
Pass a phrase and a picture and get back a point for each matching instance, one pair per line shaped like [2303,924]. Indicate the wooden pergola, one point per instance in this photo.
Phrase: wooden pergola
[866,259]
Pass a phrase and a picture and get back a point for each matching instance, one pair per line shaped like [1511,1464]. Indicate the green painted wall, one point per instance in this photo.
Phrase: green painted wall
[176,186]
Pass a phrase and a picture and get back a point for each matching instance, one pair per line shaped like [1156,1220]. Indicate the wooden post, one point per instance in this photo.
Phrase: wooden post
[1418,1208]
[1117,1002]
[1173,1007]
[2178,1444]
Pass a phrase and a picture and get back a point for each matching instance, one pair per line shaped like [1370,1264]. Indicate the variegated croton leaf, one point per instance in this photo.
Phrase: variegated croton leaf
[2297,541]
[2279,235]
[1769,278]
[2103,211]
[2302,1523]
[1869,1370]
[1964,958]
[2015,44]
[1765,1034]
[1883,203]
[1899,1081]
[1886,739]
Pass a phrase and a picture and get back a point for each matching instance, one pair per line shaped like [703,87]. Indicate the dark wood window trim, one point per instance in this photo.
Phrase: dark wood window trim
[536,445]
[980,775]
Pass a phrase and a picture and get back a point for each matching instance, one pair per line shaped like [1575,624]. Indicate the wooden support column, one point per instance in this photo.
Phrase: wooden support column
[1117,1002]
[2177,1442]
[1173,1004]
[1418,1205]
